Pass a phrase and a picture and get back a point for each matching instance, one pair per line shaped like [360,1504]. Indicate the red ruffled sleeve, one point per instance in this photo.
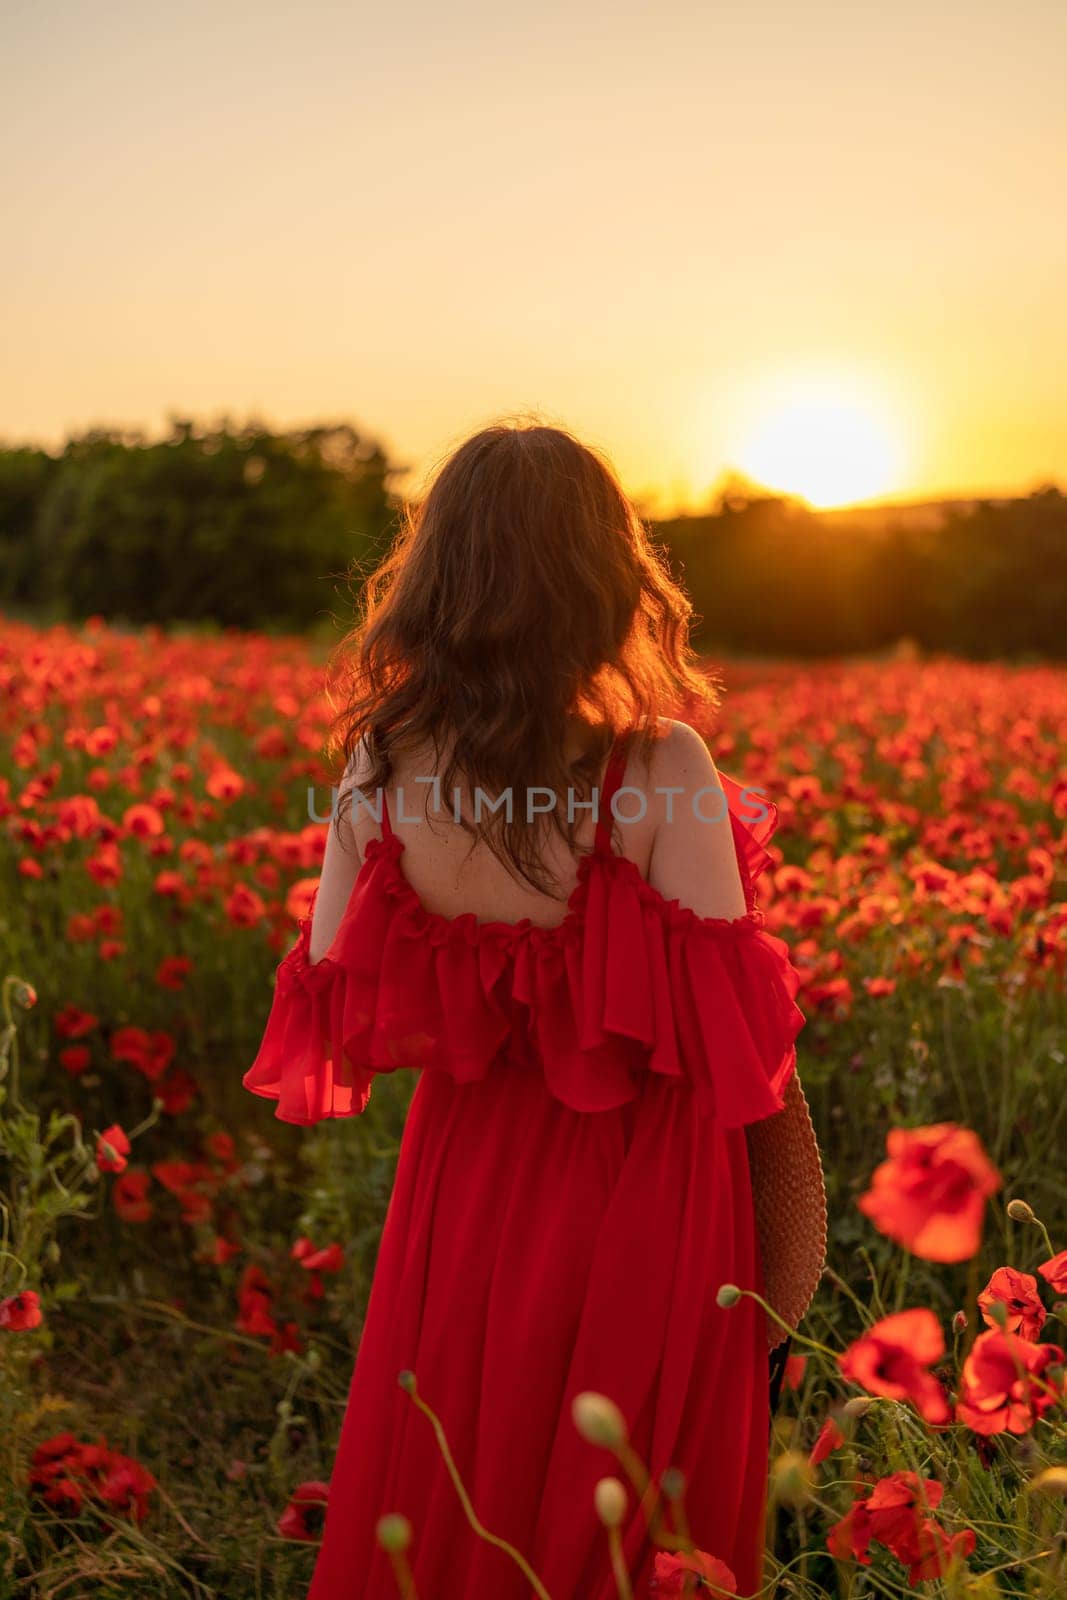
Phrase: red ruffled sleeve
[706,999]
[298,1064]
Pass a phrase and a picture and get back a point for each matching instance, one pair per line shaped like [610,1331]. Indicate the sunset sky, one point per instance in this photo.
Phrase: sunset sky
[823,244]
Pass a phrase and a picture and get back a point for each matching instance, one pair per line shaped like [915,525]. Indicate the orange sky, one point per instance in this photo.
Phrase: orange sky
[700,235]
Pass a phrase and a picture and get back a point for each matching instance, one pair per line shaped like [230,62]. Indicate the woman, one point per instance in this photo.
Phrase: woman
[597,1013]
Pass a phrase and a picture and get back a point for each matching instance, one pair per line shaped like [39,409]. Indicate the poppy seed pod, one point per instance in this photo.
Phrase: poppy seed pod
[792,1478]
[1052,1481]
[609,1497]
[598,1419]
[393,1533]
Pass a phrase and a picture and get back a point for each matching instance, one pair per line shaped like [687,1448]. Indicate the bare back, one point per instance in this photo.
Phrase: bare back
[677,847]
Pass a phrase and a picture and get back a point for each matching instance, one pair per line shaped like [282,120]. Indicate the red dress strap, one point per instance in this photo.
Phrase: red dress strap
[386,824]
[612,780]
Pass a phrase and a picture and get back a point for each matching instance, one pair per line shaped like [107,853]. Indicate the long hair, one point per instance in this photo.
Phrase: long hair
[522,590]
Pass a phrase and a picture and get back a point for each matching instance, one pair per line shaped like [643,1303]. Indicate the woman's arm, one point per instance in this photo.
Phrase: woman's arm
[693,859]
[340,865]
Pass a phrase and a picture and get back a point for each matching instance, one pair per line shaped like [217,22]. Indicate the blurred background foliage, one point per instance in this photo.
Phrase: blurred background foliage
[238,526]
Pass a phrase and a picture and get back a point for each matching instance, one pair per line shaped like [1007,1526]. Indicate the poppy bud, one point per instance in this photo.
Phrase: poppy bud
[959,1322]
[729,1294]
[672,1482]
[406,1380]
[609,1497]
[393,1533]
[1052,1481]
[598,1419]
[858,1406]
[1019,1211]
[792,1478]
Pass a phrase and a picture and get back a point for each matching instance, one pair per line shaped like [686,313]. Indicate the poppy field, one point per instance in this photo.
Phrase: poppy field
[182,1276]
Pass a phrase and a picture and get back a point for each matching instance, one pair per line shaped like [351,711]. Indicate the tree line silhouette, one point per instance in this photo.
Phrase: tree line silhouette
[241,526]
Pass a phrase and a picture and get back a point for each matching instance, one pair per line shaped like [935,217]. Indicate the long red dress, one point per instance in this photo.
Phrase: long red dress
[572,1189]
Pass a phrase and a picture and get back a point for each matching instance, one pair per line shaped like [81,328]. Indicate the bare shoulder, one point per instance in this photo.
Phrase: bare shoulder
[681,758]
[694,859]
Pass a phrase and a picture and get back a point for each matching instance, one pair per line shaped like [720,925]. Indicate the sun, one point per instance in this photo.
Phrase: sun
[830,438]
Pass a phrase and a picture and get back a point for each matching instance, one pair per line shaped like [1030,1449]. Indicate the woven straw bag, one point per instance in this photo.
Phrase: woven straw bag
[789,1193]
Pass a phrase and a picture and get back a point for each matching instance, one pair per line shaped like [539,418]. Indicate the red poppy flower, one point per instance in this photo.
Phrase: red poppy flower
[177,1091]
[329,1259]
[892,1359]
[897,1504]
[67,1471]
[112,1148]
[70,1023]
[75,1059]
[245,907]
[795,1368]
[224,784]
[194,1183]
[691,1573]
[150,1053]
[830,1439]
[170,884]
[126,1486]
[896,1514]
[220,1251]
[300,898]
[222,1147]
[173,971]
[143,821]
[21,1311]
[255,1295]
[930,1195]
[302,1517]
[1054,1272]
[935,1553]
[129,1196]
[64,1495]
[105,867]
[1006,1383]
[848,1540]
[1017,1293]
[287,1337]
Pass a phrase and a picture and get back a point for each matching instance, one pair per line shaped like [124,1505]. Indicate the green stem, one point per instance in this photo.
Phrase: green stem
[464,1499]
[146,1122]
[799,1338]
[618,1566]
[1045,1235]
[405,1580]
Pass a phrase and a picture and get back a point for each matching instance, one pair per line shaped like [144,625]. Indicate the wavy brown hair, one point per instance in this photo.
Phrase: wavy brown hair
[522,591]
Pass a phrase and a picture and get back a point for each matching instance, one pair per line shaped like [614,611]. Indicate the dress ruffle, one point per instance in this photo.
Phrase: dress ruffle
[628,983]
